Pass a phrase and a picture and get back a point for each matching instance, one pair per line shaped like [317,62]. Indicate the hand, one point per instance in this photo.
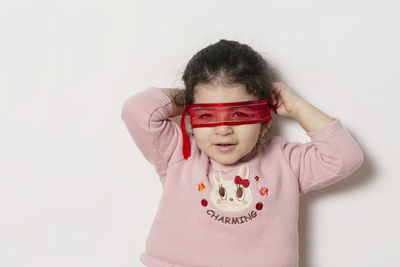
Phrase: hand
[285,98]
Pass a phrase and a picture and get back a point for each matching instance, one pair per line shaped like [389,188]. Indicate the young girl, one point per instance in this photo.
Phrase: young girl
[231,197]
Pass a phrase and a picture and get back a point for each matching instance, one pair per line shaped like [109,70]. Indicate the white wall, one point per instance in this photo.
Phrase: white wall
[74,188]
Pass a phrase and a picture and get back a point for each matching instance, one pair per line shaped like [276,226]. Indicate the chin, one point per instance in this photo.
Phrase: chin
[226,161]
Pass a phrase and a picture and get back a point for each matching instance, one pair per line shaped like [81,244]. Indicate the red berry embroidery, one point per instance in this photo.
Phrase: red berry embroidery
[204,203]
[257,178]
[259,206]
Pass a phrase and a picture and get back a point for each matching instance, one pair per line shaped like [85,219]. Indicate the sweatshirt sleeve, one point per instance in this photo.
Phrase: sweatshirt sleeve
[145,115]
[331,155]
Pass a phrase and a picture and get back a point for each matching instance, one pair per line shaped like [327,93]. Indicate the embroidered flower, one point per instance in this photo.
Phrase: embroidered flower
[201,187]
[264,191]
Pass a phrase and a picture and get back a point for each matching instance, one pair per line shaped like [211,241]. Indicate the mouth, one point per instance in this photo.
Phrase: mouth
[225,144]
[225,147]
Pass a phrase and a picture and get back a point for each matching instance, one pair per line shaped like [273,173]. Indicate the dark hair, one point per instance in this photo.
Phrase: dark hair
[228,62]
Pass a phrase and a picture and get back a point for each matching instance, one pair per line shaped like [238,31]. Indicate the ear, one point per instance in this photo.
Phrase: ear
[265,127]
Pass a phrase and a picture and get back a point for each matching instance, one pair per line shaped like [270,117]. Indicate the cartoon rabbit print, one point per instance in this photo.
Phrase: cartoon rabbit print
[232,195]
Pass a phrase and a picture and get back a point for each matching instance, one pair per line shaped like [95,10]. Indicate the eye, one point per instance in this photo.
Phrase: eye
[239,114]
[222,193]
[205,115]
[240,194]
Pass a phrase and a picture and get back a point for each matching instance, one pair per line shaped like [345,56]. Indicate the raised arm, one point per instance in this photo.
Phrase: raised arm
[331,155]
[146,117]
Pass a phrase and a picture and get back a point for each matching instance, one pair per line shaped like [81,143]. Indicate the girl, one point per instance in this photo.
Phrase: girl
[231,197]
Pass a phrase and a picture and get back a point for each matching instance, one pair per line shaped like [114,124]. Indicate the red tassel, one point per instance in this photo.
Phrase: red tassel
[186,141]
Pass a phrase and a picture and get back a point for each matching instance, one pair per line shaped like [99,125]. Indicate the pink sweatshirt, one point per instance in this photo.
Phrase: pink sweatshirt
[240,215]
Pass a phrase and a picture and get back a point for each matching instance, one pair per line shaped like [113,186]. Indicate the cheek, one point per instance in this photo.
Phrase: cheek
[249,132]
[202,136]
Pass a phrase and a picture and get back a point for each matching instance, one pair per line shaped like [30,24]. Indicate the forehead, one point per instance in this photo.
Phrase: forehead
[219,93]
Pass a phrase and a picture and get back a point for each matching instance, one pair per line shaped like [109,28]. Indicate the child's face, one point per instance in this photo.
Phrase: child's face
[243,136]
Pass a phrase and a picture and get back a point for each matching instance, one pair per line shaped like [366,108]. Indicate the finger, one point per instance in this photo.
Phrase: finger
[273,97]
[276,98]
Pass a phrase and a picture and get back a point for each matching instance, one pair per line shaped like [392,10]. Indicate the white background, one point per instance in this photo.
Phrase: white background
[76,191]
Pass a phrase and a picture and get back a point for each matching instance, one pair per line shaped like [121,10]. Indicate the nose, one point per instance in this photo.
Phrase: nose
[223,130]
